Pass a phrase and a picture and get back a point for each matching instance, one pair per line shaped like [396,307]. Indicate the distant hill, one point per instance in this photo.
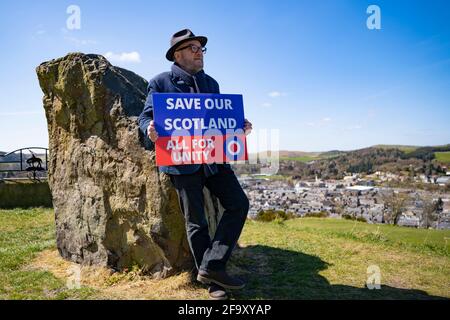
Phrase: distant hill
[302,156]
[295,154]
[292,154]
[285,154]
[411,149]
[16,155]
[331,154]
[11,157]
[335,164]
[403,148]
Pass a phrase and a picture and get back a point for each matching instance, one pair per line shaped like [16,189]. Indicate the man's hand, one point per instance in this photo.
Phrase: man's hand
[151,131]
[247,127]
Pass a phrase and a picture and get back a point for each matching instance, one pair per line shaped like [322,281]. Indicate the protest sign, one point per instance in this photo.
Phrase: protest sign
[199,128]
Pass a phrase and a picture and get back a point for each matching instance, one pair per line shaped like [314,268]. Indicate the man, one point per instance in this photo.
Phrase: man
[210,255]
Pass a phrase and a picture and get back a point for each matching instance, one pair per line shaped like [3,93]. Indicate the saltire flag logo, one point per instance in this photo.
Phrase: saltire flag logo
[199,128]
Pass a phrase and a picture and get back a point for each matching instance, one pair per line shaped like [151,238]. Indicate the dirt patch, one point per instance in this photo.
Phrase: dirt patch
[116,285]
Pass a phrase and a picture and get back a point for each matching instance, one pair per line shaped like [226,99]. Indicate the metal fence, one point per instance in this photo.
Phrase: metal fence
[25,163]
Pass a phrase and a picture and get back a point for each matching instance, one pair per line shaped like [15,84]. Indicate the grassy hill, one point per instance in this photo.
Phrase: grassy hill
[300,159]
[403,148]
[293,155]
[306,258]
[405,160]
[300,156]
[309,156]
[443,156]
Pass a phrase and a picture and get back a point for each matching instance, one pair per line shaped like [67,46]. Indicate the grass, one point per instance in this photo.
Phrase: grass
[421,240]
[305,258]
[277,177]
[23,234]
[320,258]
[304,159]
[443,156]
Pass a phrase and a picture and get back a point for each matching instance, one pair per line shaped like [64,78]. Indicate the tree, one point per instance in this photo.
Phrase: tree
[395,205]
[431,211]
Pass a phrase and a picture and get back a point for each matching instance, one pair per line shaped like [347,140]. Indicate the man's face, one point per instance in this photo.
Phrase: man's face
[188,60]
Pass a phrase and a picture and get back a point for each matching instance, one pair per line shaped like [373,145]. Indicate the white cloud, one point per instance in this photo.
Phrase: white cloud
[80,42]
[266,104]
[326,119]
[74,40]
[133,57]
[276,94]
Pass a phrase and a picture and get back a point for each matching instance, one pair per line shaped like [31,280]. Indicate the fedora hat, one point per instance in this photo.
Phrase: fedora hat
[181,37]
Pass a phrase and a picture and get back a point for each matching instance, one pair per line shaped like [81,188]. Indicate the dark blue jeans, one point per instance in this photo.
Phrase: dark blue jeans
[212,254]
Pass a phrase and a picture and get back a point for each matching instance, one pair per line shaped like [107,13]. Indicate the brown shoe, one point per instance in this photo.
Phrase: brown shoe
[220,278]
[217,292]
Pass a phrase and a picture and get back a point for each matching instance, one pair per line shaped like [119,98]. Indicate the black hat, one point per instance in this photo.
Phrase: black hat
[180,37]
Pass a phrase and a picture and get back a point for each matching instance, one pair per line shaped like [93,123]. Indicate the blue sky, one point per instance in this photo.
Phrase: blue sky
[311,69]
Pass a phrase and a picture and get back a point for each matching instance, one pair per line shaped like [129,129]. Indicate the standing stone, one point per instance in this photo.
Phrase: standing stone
[112,205]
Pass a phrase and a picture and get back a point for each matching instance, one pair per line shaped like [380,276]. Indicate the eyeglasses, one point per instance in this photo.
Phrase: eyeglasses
[194,48]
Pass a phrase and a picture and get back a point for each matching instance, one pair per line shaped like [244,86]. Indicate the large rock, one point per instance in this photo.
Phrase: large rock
[112,205]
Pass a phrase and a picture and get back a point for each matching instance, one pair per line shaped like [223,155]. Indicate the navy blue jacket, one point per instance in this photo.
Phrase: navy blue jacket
[178,80]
